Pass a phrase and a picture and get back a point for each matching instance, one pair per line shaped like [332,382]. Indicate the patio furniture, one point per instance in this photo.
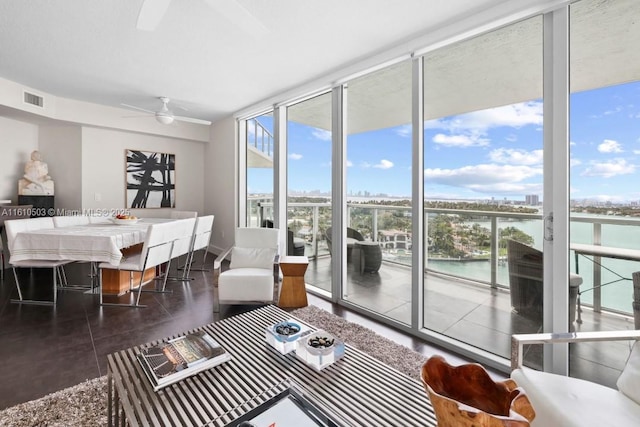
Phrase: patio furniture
[253,273]
[295,245]
[370,256]
[352,236]
[525,282]
[358,388]
[466,395]
[565,401]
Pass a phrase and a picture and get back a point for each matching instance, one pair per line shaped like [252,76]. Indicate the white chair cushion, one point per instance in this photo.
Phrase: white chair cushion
[565,401]
[574,280]
[252,257]
[246,284]
[629,381]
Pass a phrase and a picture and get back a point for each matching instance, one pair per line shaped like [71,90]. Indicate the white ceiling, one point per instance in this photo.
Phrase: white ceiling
[90,50]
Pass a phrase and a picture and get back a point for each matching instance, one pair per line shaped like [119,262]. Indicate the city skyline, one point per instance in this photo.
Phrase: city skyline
[492,153]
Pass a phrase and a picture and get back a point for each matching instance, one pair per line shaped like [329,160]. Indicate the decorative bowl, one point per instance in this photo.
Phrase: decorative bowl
[286,331]
[320,343]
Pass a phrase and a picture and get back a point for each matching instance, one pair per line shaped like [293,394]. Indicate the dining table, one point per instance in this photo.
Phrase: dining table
[94,242]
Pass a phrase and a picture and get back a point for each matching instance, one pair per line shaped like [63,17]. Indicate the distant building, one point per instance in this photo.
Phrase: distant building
[532,200]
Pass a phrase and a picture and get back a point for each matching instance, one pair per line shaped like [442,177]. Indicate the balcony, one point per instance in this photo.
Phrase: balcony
[468,299]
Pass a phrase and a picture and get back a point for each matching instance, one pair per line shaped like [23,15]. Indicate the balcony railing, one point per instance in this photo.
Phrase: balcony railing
[316,217]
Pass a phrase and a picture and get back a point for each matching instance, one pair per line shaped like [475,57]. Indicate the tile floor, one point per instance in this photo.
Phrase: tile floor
[44,349]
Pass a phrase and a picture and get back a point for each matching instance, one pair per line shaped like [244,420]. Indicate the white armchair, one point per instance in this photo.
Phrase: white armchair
[565,401]
[254,270]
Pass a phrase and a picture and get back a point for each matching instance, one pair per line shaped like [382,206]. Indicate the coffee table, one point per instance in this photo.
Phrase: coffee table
[358,388]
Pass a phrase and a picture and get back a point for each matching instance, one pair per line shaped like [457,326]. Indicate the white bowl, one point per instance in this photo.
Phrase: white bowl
[120,221]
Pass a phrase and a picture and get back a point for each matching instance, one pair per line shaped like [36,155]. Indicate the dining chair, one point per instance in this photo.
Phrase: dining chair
[182,243]
[254,270]
[9,212]
[156,250]
[201,240]
[70,220]
[12,228]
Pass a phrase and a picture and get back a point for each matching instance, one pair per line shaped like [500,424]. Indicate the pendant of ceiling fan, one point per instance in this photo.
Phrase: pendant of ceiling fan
[166,116]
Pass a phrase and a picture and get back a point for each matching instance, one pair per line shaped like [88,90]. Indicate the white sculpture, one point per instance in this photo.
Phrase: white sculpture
[36,180]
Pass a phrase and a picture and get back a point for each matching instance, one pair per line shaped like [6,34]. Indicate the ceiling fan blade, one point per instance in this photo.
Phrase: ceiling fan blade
[192,120]
[151,13]
[239,16]
[138,108]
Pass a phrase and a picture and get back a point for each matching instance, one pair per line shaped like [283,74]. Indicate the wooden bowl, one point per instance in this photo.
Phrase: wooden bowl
[465,396]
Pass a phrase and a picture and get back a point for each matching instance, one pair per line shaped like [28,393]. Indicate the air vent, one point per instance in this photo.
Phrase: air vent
[33,99]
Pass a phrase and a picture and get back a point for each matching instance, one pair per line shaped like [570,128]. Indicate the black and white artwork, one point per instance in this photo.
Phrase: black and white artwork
[151,180]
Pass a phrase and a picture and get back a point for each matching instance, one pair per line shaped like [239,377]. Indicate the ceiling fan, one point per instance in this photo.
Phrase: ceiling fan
[152,12]
[166,116]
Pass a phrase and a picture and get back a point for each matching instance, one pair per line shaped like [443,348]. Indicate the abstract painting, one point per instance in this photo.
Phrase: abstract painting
[151,179]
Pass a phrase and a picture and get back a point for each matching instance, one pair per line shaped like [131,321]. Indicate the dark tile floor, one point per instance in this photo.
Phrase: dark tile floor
[44,349]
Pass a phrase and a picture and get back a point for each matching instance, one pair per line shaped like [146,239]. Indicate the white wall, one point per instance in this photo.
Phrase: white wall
[17,141]
[103,169]
[61,148]
[220,178]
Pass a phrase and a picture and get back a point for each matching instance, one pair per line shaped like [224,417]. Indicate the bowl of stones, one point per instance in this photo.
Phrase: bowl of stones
[320,342]
[286,331]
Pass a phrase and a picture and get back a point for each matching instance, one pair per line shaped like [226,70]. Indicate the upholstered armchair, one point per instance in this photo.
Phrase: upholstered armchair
[254,270]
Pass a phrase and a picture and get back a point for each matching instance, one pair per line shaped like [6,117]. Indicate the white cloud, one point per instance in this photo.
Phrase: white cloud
[404,131]
[487,178]
[514,115]
[610,146]
[609,169]
[349,163]
[321,134]
[516,157]
[295,156]
[574,162]
[512,137]
[384,164]
[460,140]
[636,151]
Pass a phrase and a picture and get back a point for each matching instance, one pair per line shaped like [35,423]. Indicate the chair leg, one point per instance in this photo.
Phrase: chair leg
[21,300]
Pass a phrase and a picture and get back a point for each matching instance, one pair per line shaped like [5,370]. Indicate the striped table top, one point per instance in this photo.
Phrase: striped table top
[358,388]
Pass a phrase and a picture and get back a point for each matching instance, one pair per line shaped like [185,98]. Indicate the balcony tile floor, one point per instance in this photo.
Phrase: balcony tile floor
[476,314]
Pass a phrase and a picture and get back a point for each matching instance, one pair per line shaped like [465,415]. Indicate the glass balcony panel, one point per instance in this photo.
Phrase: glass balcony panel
[483,170]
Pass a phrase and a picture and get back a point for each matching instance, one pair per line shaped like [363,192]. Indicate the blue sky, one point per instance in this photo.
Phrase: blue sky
[484,154]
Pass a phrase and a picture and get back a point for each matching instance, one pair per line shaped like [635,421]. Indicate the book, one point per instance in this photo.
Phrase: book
[171,361]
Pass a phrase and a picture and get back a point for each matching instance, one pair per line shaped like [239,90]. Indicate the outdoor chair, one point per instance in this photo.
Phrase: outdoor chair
[12,228]
[295,245]
[351,234]
[254,271]
[525,282]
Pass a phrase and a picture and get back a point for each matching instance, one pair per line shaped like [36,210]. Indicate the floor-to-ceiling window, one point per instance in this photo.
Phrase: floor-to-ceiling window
[483,170]
[605,149]
[378,185]
[486,163]
[259,169]
[309,186]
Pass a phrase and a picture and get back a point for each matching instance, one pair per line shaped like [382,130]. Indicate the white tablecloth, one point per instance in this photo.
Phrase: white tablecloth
[91,242]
